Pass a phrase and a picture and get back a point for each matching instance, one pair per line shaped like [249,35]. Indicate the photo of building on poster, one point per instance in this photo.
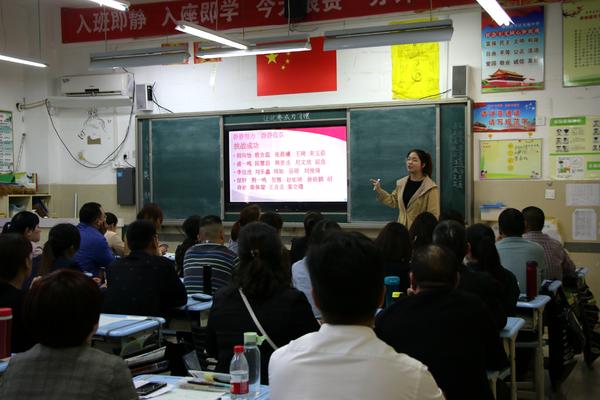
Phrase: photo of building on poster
[513,56]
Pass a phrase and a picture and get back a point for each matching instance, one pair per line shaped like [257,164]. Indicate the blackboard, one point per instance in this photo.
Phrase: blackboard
[379,141]
[179,163]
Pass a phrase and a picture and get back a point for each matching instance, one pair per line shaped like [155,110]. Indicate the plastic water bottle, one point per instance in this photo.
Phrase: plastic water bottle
[238,369]
[252,353]
[392,285]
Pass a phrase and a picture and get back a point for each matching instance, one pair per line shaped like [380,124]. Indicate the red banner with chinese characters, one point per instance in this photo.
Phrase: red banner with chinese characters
[158,19]
[299,72]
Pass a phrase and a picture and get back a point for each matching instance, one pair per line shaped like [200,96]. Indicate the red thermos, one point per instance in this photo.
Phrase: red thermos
[5,330]
[531,276]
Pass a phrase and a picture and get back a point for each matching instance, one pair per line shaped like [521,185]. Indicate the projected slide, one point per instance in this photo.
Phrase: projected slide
[288,165]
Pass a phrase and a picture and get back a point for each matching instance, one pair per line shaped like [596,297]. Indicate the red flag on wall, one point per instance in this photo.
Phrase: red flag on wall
[299,72]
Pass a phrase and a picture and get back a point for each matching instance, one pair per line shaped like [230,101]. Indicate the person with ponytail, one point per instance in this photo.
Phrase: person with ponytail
[283,312]
[63,243]
[482,256]
[248,214]
[27,224]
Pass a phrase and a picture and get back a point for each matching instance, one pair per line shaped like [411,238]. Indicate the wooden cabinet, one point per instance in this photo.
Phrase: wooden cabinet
[13,203]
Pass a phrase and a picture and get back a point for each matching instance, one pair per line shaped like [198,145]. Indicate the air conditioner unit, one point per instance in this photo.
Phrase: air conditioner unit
[95,85]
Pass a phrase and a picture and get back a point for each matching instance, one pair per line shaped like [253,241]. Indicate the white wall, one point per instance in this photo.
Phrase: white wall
[364,75]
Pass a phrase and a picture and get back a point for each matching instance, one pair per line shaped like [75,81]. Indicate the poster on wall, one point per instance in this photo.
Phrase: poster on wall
[513,56]
[510,159]
[581,43]
[6,142]
[575,147]
[510,116]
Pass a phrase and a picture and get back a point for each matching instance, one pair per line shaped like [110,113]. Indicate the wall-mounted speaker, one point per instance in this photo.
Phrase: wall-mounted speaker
[295,9]
[460,81]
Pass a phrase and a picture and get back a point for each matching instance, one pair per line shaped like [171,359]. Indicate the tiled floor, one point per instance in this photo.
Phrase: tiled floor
[582,384]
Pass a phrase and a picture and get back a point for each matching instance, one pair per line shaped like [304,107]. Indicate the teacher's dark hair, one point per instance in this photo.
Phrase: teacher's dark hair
[425,159]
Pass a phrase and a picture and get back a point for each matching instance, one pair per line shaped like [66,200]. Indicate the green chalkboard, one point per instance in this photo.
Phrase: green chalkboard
[185,166]
[454,160]
[379,141]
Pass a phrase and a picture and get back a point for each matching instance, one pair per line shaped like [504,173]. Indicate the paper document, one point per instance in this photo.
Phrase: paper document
[583,194]
[585,225]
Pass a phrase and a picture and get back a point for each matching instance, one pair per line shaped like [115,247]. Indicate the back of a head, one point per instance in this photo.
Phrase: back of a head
[482,240]
[191,227]
[140,234]
[21,221]
[452,215]
[511,222]
[62,308]
[310,219]
[322,229]
[534,218]
[211,227]
[248,214]
[343,265]
[61,239]
[90,212]
[393,243]
[151,212]
[14,252]
[111,219]
[434,267]
[421,230]
[453,236]
[260,273]
[273,219]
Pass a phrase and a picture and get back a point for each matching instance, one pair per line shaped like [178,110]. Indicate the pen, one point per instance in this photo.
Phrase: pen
[378,180]
[210,384]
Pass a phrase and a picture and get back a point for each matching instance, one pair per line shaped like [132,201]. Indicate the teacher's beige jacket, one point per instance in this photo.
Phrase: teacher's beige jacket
[426,198]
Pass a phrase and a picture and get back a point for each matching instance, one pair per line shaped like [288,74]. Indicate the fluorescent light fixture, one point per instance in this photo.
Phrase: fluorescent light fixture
[209,34]
[495,11]
[23,61]
[116,4]
[256,50]
[418,32]
[139,57]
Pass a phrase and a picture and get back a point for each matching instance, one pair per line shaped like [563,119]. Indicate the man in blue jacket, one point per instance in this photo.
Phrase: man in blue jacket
[94,254]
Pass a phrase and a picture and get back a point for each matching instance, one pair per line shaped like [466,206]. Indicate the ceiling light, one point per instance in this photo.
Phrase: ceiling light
[496,12]
[116,4]
[256,50]
[209,34]
[23,61]
[418,32]
[139,57]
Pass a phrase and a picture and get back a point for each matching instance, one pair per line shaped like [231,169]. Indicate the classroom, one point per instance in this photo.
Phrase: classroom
[208,108]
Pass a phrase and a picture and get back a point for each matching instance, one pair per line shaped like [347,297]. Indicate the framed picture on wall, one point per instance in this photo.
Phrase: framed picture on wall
[581,43]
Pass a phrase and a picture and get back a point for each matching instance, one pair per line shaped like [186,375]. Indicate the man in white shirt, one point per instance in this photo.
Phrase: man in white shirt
[344,359]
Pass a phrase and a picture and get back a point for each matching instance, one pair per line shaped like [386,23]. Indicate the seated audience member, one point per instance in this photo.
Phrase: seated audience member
[248,214]
[62,244]
[393,244]
[515,251]
[113,238]
[283,312]
[27,224]
[15,268]
[482,256]
[151,212]
[62,310]
[421,230]
[163,249]
[300,245]
[208,265]
[452,215]
[453,236]
[558,262]
[345,359]
[191,228]
[93,254]
[143,283]
[300,276]
[274,219]
[448,330]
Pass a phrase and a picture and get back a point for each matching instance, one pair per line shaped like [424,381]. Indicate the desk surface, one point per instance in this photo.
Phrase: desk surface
[196,305]
[538,302]
[512,327]
[174,380]
[116,325]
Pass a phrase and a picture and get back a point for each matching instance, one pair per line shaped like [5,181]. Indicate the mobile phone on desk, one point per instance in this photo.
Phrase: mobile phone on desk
[149,387]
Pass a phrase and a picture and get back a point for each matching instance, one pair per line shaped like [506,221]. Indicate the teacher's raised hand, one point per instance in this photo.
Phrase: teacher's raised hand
[376,184]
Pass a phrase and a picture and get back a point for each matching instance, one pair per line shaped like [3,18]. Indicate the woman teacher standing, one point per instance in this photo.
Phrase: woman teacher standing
[414,193]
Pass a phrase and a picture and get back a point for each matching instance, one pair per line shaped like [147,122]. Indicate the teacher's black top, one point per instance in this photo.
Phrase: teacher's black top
[409,190]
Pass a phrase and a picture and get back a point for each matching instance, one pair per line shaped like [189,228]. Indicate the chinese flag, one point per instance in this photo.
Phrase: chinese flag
[298,72]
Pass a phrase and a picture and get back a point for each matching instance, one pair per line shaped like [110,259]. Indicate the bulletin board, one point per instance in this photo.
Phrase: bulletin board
[510,159]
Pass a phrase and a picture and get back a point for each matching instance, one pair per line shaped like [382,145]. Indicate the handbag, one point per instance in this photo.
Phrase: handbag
[256,321]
